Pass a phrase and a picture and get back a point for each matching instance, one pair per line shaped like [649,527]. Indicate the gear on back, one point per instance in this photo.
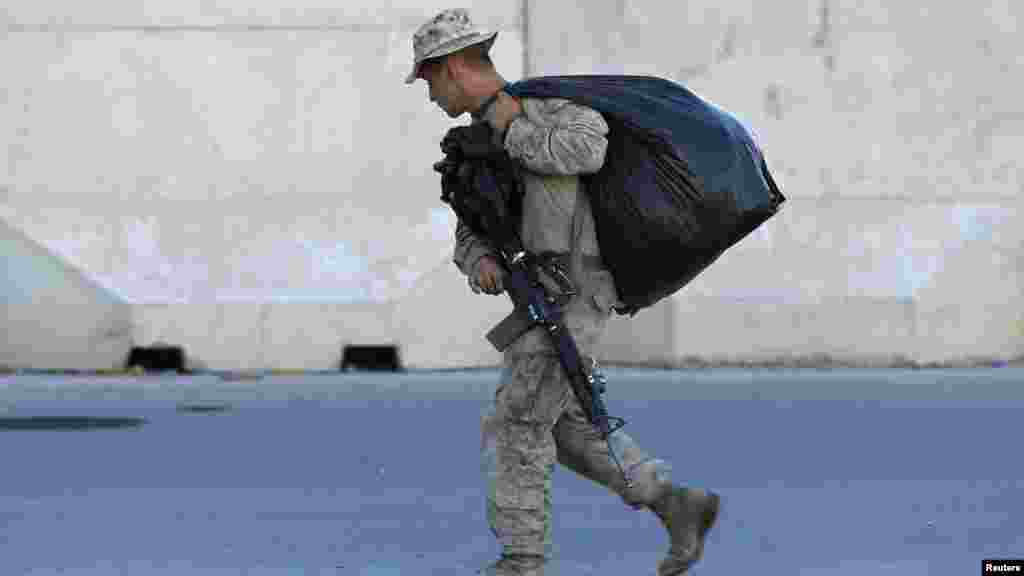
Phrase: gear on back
[682,180]
[480,182]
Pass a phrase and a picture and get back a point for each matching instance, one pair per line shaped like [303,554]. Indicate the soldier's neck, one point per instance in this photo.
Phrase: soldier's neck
[486,94]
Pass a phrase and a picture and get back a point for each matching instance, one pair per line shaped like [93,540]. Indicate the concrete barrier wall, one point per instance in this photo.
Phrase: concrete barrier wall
[254,178]
[893,128]
[251,177]
[53,317]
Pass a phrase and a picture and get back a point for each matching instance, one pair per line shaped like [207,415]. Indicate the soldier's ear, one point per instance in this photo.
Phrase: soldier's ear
[456,66]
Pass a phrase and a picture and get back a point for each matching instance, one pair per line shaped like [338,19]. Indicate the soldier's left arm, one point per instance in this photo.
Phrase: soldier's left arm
[568,138]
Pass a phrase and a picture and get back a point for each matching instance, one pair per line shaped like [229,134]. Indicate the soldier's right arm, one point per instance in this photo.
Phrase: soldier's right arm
[469,248]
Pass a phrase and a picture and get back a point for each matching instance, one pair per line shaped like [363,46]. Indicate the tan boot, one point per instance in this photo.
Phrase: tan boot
[515,565]
[687,514]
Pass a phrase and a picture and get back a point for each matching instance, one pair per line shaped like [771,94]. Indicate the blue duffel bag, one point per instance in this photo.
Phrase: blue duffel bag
[682,182]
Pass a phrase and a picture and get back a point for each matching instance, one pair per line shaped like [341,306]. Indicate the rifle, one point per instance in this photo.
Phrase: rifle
[534,307]
[482,200]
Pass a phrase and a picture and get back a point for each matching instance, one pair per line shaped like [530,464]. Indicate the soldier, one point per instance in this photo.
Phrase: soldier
[535,419]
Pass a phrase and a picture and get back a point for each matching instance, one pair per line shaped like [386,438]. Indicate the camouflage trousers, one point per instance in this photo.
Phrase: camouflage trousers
[535,421]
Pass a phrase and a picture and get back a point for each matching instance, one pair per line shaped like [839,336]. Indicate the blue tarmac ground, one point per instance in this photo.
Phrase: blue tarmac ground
[823,472]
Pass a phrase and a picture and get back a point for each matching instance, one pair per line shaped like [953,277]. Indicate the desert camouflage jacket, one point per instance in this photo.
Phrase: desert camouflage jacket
[556,141]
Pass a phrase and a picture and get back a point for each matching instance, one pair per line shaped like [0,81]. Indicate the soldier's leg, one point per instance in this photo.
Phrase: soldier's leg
[686,513]
[519,455]
[581,449]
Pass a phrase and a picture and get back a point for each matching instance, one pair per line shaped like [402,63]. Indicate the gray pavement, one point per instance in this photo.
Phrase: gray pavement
[823,472]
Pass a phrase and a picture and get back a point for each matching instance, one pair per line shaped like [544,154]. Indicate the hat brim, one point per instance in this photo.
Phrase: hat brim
[449,48]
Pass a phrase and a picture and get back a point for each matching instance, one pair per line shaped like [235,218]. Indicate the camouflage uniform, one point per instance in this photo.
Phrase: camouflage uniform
[535,419]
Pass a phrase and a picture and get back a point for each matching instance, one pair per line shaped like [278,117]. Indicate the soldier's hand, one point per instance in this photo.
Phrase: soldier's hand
[490,275]
[506,108]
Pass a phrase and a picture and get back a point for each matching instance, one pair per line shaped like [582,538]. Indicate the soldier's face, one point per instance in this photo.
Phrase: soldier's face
[443,89]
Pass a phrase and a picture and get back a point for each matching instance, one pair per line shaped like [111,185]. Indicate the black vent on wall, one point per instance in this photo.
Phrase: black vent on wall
[157,358]
[374,358]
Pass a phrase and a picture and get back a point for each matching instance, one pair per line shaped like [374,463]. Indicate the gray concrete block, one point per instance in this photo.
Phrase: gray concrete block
[256,178]
[54,316]
[843,101]
[442,323]
[861,281]
[186,157]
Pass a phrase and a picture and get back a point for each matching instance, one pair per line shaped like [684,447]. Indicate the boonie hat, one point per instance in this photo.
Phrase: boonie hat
[448,32]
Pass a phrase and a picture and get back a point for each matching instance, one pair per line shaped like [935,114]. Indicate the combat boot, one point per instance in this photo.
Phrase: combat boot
[687,514]
[515,565]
